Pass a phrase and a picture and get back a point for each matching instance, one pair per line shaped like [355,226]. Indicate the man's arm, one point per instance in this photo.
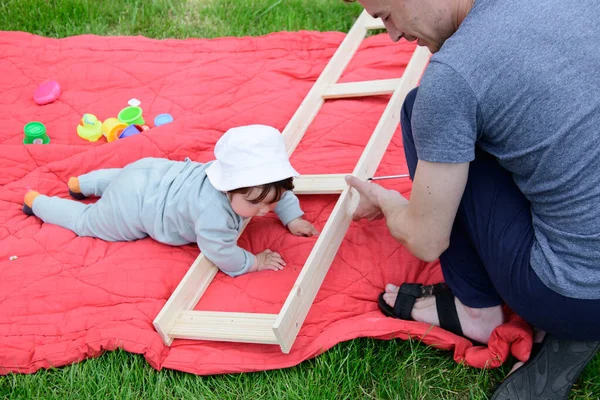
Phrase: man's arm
[424,223]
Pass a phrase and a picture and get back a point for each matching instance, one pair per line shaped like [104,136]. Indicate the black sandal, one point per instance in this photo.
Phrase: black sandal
[409,292]
[552,369]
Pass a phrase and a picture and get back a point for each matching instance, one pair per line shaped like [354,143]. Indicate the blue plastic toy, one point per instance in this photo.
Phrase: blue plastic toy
[163,119]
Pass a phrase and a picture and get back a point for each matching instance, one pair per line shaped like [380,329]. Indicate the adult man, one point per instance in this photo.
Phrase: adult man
[502,140]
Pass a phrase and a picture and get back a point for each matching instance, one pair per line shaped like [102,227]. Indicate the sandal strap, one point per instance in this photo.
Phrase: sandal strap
[405,300]
[409,292]
[444,300]
[446,309]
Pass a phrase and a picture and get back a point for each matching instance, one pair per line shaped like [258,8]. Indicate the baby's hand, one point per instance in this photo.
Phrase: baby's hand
[301,227]
[267,260]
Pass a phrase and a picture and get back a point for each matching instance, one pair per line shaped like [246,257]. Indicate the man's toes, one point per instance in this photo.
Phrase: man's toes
[515,367]
[389,288]
[390,298]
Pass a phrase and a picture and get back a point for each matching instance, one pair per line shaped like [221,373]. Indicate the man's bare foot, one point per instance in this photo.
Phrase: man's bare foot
[477,323]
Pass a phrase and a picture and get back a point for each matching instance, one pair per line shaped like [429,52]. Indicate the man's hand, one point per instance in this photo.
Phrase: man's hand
[375,200]
[424,227]
[267,260]
[301,227]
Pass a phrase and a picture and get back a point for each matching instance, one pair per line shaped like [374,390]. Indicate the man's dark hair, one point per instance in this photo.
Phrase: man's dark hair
[279,186]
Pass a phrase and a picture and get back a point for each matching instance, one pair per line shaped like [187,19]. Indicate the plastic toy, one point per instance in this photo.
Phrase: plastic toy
[131,115]
[130,131]
[46,93]
[163,119]
[89,128]
[112,128]
[35,133]
[134,102]
[145,128]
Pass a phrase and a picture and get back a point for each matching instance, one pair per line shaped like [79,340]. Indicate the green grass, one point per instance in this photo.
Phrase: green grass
[175,18]
[359,369]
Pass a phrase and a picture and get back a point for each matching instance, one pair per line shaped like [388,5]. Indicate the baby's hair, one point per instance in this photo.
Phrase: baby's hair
[279,186]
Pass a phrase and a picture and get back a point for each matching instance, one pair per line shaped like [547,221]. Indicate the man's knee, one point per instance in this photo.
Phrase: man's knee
[407,106]
[406,114]
[407,135]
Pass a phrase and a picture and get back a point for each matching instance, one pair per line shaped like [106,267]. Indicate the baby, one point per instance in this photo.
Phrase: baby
[180,202]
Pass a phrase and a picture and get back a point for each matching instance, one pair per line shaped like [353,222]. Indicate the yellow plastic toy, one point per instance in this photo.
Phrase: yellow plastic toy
[112,128]
[89,128]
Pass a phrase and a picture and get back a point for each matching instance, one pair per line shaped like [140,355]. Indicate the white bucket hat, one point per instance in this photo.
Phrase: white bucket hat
[248,156]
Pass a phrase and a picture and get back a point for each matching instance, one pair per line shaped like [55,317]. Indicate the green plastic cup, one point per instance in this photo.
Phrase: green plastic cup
[35,133]
[131,116]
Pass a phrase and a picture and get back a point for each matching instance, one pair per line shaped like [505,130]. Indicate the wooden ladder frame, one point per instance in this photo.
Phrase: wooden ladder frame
[178,319]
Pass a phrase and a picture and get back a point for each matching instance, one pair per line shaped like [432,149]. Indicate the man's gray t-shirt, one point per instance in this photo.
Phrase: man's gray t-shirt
[521,80]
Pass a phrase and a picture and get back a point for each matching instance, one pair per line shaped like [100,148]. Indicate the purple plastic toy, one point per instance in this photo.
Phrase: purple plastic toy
[130,131]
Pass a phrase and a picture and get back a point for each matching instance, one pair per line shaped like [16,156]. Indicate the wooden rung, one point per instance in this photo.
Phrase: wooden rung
[373,24]
[360,89]
[229,326]
[320,184]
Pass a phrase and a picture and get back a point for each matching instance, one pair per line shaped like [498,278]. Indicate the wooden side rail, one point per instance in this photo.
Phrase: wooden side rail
[311,277]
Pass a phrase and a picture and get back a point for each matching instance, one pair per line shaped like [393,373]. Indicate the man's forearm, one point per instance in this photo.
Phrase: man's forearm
[395,216]
[405,227]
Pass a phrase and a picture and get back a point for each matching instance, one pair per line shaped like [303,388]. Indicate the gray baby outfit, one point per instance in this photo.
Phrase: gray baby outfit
[171,201]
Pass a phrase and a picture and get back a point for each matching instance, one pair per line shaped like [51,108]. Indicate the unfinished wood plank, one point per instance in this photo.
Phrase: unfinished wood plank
[201,273]
[175,320]
[313,101]
[186,294]
[319,184]
[384,131]
[229,326]
[374,23]
[309,281]
[185,297]
[313,273]
[361,89]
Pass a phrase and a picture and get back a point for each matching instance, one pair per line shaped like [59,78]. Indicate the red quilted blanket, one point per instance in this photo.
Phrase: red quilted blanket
[64,298]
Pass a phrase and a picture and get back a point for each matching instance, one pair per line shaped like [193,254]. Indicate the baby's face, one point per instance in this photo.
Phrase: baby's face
[245,207]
